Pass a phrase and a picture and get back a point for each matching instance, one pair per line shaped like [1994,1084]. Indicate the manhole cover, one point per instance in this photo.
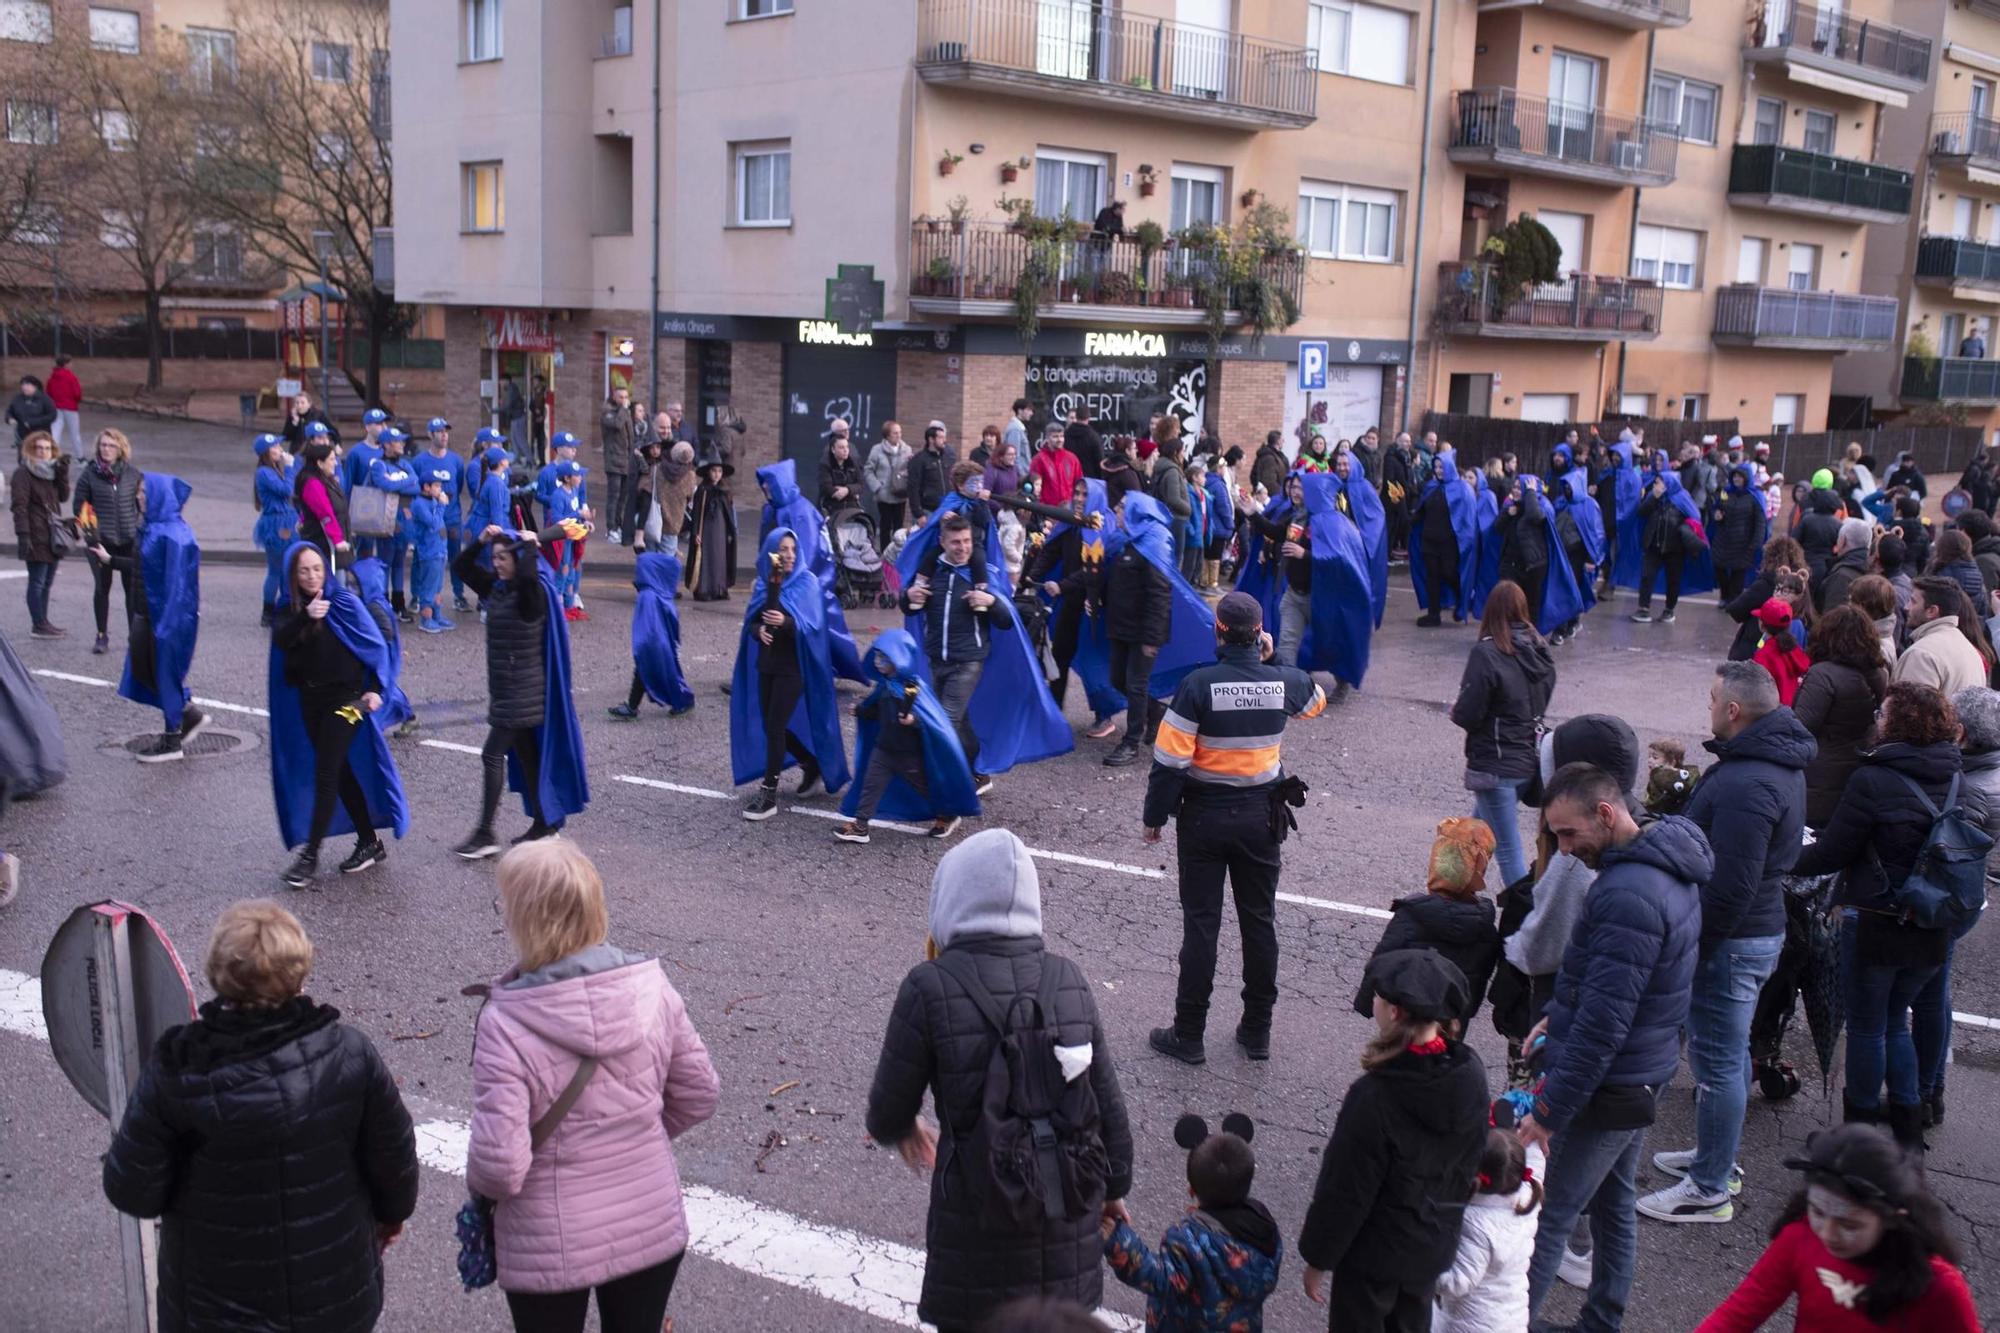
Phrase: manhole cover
[212,741]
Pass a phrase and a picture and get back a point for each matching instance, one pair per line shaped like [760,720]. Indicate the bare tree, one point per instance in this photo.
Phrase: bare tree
[38,283]
[298,156]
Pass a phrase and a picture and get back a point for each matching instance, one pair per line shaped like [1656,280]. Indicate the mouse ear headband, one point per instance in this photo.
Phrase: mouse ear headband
[1191,1130]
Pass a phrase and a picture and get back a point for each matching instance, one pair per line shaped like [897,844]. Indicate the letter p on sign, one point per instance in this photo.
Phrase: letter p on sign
[1312,367]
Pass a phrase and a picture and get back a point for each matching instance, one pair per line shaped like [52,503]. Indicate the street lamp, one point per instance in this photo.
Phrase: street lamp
[323,247]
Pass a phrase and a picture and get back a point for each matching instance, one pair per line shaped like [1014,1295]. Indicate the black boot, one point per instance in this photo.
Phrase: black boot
[1850,1114]
[809,777]
[1906,1123]
[1187,1050]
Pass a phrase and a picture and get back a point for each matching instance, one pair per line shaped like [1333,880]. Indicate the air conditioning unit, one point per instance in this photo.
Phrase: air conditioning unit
[1631,155]
[1948,142]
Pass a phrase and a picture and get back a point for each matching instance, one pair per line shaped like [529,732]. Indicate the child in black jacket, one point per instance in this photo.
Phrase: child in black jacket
[1452,919]
[1404,1155]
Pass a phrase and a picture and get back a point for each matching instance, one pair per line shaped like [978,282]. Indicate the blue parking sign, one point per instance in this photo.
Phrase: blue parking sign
[1312,366]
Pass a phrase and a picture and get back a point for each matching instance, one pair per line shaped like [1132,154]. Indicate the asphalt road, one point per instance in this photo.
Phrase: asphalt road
[789,948]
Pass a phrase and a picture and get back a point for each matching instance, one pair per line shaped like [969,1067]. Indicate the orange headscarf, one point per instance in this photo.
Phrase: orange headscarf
[1459,857]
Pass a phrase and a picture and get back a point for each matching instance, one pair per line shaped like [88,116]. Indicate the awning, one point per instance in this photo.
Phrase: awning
[1840,83]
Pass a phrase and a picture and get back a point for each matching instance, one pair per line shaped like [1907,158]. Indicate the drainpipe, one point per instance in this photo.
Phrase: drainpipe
[653,314]
[1638,194]
[1417,246]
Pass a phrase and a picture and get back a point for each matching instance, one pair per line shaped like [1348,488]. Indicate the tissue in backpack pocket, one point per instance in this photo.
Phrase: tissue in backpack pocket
[1074,1060]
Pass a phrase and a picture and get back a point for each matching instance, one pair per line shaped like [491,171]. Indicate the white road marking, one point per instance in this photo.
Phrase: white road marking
[73,679]
[13,573]
[877,1277]
[453,746]
[233,708]
[919,829]
[1330,905]
[708,792]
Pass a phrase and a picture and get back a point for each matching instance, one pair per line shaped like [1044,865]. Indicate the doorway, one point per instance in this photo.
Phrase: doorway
[534,374]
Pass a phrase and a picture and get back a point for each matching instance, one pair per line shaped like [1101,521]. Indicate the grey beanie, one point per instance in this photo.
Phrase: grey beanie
[986,885]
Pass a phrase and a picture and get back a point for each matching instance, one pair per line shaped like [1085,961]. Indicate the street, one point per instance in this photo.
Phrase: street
[789,947]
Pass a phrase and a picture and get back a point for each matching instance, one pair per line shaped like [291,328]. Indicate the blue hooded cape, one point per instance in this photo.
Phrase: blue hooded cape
[1191,632]
[1364,507]
[170,566]
[371,580]
[1698,572]
[1562,600]
[816,720]
[1337,639]
[784,507]
[1580,503]
[1626,488]
[1012,712]
[1092,663]
[1464,511]
[1221,505]
[368,756]
[945,769]
[564,786]
[656,630]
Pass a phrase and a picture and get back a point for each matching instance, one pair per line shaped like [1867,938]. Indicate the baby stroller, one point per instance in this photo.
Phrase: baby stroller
[858,570]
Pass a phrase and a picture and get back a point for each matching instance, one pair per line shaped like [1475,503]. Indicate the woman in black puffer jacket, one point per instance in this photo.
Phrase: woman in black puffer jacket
[986,920]
[110,484]
[1736,527]
[1837,702]
[1502,696]
[270,1141]
[1875,834]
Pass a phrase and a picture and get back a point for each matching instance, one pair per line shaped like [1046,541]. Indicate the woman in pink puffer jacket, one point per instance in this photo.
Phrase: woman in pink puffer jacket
[598,1204]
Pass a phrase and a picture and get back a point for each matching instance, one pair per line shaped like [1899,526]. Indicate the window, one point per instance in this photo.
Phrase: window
[1964,211]
[39,224]
[1635,404]
[1360,40]
[114,30]
[115,229]
[1820,127]
[1197,197]
[1685,104]
[379,93]
[30,122]
[1068,182]
[1753,255]
[1802,270]
[1670,256]
[1470,395]
[1348,221]
[1769,125]
[1693,405]
[330,62]
[485,204]
[612,169]
[115,128]
[1572,233]
[211,57]
[1982,100]
[1786,409]
[482,30]
[764,184]
[331,150]
[763,9]
[26,21]
[1549,408]
[215,140]
[218,252]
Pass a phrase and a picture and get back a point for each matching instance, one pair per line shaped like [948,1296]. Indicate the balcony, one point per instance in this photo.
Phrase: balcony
[1091,60]
[1950,380]
[1638,15]
[1969,270]
[972,271]
[1792,180]
[1821,46]
[1776,317]
[1580,308]
[1968,142]
[1502,128]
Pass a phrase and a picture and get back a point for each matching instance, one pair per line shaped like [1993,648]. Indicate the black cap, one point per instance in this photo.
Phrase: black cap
[1421,983]
[1239,612]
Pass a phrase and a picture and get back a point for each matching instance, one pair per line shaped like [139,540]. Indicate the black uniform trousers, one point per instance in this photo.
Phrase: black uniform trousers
[1358,1303]
[1227,836]
[1132,671]
[332,737]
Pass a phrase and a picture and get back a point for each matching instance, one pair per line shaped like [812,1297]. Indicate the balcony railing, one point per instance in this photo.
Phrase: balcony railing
[1825,34]
[1779,317]
[1520,130]
[1581,307]
[1795,180]
[1950,379]
[1635,14]
[1055,48]
[1951,259]
[1962,134]
[983,261]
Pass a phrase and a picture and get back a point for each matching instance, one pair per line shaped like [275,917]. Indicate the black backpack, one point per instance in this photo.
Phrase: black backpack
[1035,1153]
[1947,884]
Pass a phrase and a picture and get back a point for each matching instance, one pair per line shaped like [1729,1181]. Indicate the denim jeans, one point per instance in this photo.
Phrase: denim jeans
[1294,619]
[955,683]
[1726,985]
[1501,809]
[41,575]
[1594,1171]
[1930,1020]
[1878,998]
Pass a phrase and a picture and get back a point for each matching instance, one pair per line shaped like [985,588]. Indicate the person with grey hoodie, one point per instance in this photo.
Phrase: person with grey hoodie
[987,953]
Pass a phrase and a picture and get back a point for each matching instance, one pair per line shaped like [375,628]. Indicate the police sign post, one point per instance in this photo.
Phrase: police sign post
[111,986]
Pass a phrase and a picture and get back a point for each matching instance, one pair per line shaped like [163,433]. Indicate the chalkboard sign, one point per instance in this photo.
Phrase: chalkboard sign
[712,367]
[854,298]
[822,383]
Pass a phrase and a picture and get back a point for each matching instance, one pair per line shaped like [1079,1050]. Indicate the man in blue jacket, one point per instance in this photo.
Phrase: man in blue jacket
[1613,1026]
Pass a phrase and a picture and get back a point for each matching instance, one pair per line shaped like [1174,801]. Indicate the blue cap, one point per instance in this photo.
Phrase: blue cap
[488,435]
[565,440]
[374,416]
[438,424]
[391,433]
[569,467]
[317,430]
[263,444]
[495,456]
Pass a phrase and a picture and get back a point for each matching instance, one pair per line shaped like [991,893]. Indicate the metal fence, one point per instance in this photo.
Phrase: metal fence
[1962,134]
[1469,294]
[1509,122]
[129,342]
[1951,379]
[982,261]
[1752,313]
[1951,257]
[1768,168]
[1829,31]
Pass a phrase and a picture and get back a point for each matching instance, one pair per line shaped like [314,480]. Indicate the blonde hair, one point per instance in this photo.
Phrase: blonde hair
[258,954]
[117,437]
[1403,1032]
[35,437]
[553,900]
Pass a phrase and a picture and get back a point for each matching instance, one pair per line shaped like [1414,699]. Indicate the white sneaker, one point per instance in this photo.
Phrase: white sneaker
[1678,1164]
[1575,1268]
[1683,1202]
[614,540]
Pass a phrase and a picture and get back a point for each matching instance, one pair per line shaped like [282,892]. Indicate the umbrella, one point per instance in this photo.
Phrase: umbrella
[1819,981]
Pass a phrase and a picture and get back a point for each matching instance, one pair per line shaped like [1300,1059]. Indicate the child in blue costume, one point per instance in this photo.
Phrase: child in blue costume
[167,616]
[432,542]
[442,463]
[783,683]
[906,751]
[656,639]
[567,511]
[393,472]
[277,519]
[371,585]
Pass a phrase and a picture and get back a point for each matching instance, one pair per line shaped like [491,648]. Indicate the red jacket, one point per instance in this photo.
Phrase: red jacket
[1787,668]
[65,390]
[1056,472]
[1828,1291]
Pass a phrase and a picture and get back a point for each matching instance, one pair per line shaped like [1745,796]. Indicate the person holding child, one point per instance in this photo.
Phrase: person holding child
[907,749]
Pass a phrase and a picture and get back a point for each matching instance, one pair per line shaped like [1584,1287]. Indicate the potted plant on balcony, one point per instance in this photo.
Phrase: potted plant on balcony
[1149,180]
[949,162]
[1140,81]
[1522,253]
[938,276]
[1149,236]
[1249,197]
[1011,171]
[1018,212]
[1035,286]
[959,209]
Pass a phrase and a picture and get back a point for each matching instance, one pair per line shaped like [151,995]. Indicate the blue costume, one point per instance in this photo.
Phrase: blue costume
[566,506]
[1012,712]
[277,520]
[1337,637]
[371,585]
[1092,662]
[1364,507]
[656,631]
[1464,511]
[397,476]
[169,567]
[1626,487]
[1191,634]
[431,542]
[355,466]
[947,777]
[564,784]
[1564,597]
[1578,503]
[816,719]
[784,507]
[1698,570]
[490,502]
[1221,507]
[368,756]
[449,470]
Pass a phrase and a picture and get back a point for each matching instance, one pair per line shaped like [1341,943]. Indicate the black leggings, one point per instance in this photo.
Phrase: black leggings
[1650,566]
[635,1303]
[332,736]
[526,745]
[779,696]
[1729,583]
[100,597]
[1063,637]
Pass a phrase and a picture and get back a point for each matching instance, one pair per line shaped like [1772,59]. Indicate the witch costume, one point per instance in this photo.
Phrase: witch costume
[711,532]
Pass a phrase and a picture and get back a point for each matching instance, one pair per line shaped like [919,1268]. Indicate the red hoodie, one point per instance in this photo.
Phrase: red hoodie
[65,390]
[1829,1291]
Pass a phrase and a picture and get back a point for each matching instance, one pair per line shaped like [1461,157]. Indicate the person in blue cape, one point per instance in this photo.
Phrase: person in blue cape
[1012,712]
[906,752]
[1358,500]
[1525,545]
[1160,628]
[784,507]
[1444,542]
[1673,546]
[1626,481]
[656,639]
[277,518]
[166,617]
[1568,485]
[1319,602]
[333,682]
[371,585]
[533,740]
[781,701]
[1069,567]
[1221,515]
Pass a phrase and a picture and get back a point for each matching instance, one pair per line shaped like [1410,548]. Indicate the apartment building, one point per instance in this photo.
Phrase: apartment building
[1943,259]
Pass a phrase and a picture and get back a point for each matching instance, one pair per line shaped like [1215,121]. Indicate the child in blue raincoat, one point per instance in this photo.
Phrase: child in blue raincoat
[430,520]
[906,750]
[277,519]
[165,618]
[656,639]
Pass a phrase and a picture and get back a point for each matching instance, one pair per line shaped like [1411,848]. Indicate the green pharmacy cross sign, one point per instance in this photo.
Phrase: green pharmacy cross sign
[854,298]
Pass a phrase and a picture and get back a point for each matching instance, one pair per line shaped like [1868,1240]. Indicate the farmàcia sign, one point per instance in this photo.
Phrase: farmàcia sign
[1134,343]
